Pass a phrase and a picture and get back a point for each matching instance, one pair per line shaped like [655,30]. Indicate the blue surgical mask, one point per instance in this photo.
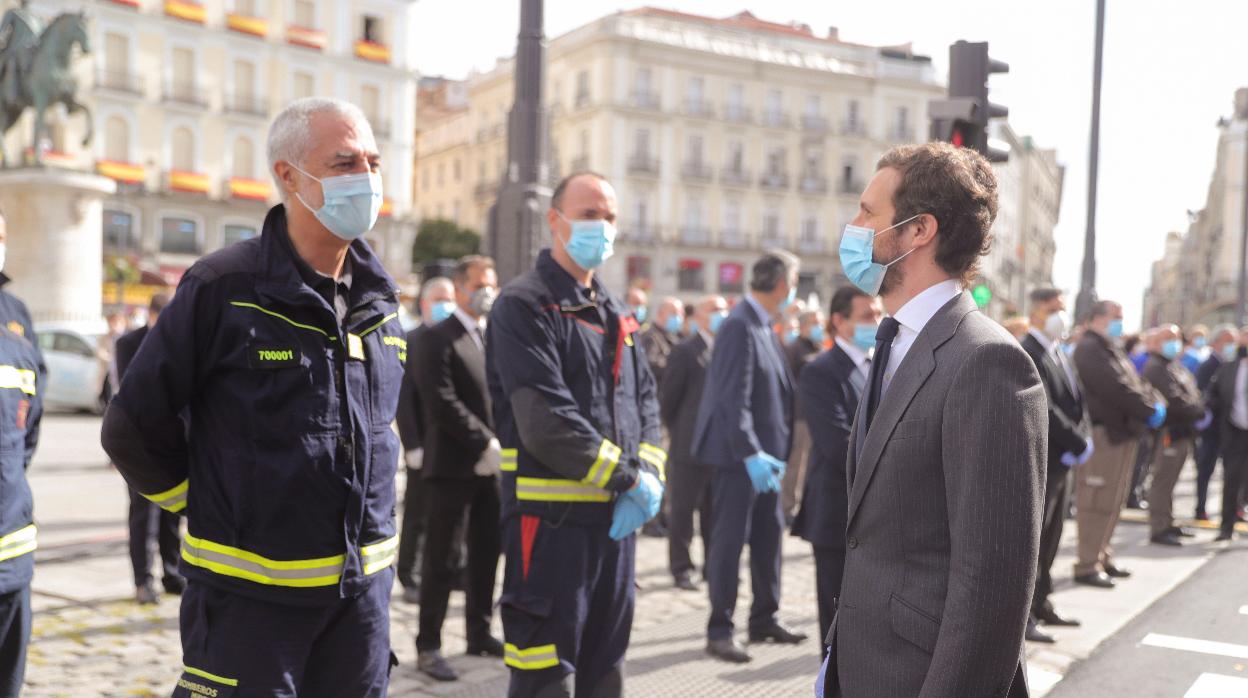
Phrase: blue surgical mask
[716,321]
[788,300]
[673,324]
[590,243]
[1230,352]
[1115,329]
[351,203]
[640,312]
[791,336]
[857,256]
[1200,343]
[864,336]
[441,311]
[1069,349]
[1172,348]
[816,334]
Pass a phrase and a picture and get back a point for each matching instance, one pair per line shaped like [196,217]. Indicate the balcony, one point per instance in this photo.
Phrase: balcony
[185,10]
[696,171]
[119,81]
[774,180]
[642,163]
[695,236]
[121,172]
[816,246]
[735,177]
[306,37]
[641,234]
[772,240]
[243,24]
[246,103]
[185,93]
[583,100]
[737,114]
[699,109]
[645,100]
[733,239]
[852,187]
[776,119]
[853,127]
[186,182]
[814,185]
[813,123]
[248,189]
[372,51]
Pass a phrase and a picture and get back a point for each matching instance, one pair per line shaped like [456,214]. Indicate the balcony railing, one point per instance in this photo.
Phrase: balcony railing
[733,239]
[641,234]
[814,185]
[772,240]
[644,100]
[247,103]
[695,235]
[737,114]
[814,123]
[119,81]
[185,93]
[853,128]
[641,163]
[307,37]
[735,177]
[582,100]
[696,171]
[776,119]
[809,245]
[774,180]
[186,182]
[699,108]
[372,51]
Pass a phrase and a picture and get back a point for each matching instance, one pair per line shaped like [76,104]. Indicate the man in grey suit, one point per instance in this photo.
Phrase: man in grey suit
[947,456]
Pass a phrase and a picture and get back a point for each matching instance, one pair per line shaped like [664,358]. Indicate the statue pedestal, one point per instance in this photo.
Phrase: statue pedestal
[55,243]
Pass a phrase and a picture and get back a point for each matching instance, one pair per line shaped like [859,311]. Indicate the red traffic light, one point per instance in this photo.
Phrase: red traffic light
[956,138]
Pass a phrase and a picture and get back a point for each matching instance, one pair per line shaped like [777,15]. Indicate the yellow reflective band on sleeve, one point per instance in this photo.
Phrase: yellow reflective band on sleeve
[537,489]
[171,500]
[279,316]
[510,460]
[378,556]
[211,677]
[654,456]
[540,657]
[600,473]
[18,543]
[17,379]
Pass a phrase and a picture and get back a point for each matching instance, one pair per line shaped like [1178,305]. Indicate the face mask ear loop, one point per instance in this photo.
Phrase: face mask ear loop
[299,196]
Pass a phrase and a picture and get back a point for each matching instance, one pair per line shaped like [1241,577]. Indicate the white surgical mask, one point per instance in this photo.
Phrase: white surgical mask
[1057,325]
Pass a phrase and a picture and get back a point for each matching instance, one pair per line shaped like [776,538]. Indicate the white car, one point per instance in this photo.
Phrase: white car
[77,368]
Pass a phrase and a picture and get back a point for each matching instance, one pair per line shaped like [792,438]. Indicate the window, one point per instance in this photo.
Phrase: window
[582,88]
[585,144]
[370,102]
[810,229]
[695,150]
[638,268]
[459,172]
[247,8]
[732,217]
[775,104]
[775,162]
[304,85]
[641,212]
[116,54]
[244,78]
[373,29]
[179,236]
[244,158]
[903,121]
[736,102]
[641,144]
[689,276]
[771,224]
[237,233]
[813,165]
[71,344]
[696,94]
[806,282]
[851,114]
[119,232]
[116,139]
[847,176]
[183,68]
[305,13]
[182,149]
[731,278]
[736,156]
[693,214]
[441,174]
[814,106]
[641,84]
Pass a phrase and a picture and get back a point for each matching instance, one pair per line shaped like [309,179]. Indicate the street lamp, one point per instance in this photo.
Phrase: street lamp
[1087,290]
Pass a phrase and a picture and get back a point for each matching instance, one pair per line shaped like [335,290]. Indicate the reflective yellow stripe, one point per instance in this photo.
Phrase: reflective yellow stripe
[654,456]
[537,489]
[540,657]
[379,556]
[266,311]
[600,472]
[324,571]
[173,500]
[17,378]
[510,459]
[211,677]
[384,320]
[17,543]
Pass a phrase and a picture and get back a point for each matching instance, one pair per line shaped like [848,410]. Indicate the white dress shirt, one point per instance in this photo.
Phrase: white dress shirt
[1052,347]
[1239,408]
[913,317]
[472,325]
[858,356]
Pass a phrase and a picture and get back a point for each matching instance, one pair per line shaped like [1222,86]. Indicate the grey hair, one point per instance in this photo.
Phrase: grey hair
[772,268]
[1224,327]
[433,283]
[288,135]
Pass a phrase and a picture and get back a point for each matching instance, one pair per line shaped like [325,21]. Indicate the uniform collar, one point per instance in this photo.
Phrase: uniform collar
[285,269]
[567,291]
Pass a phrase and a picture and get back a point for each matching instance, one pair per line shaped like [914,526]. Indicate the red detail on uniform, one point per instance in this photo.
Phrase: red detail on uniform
[528,534]
[23,409]
[628,325]
[590,325]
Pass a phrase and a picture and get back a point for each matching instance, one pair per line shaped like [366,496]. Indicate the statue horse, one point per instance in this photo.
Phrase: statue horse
[49,81]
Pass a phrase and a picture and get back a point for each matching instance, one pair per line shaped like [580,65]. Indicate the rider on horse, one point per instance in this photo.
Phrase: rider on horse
[19,35]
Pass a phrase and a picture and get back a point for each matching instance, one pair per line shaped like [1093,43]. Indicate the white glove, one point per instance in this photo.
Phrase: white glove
[491,461]
[414,458]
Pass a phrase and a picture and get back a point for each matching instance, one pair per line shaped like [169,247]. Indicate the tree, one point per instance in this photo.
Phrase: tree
[438,238]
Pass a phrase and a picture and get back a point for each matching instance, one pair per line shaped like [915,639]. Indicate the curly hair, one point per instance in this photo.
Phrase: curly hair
[956,186]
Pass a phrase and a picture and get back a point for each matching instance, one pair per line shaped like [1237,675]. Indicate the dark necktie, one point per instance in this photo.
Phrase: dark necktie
[879,363]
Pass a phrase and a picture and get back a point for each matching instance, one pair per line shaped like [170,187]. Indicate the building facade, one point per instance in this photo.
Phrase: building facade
[181,95]
[723,137]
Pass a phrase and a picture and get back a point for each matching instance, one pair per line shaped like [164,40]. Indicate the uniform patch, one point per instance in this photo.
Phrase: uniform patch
[16,328]
[23,410]
[272,356]
[355,347]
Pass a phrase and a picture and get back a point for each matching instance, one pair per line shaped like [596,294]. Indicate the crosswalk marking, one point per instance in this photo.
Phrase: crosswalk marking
[1040,681]
[1217,686]
[1189,644]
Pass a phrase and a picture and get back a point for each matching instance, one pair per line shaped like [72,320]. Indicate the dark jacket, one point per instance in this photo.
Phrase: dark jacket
[658,345]
[1118,398]
[20,411]
[125,348]
[827,388]
[798,354]
[680,395]
[574,400]
[251,409]
[747,406]
[1207,370]
[409,415]
[1070,427]
[1184,407]
[1220,397]
[450,379]
[15,317]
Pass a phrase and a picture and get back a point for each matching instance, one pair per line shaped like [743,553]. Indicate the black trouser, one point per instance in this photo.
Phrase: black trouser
[148,521]
[743,516]
[829,569]
[449,499]
[690,490]
[1207,451]
[14,636]
[411,536]
[1057,488]
[1235,472]
[1143,459]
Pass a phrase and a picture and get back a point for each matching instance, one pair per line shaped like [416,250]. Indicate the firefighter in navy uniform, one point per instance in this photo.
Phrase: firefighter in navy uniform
[577,417]
[14,315]
[260,407]
[20,410]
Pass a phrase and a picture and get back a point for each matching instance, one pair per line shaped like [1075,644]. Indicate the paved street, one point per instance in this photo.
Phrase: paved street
[91,639]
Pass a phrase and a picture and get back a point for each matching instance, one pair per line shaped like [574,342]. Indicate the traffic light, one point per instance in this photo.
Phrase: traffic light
[962,118]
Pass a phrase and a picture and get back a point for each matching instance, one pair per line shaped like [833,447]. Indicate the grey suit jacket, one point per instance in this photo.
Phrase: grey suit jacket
[945,504]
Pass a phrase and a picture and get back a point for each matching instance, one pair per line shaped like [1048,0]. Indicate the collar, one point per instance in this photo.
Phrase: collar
[4,279]
[764,317]
[467,320]
[858,356]
[918,311]
[567,291]
[1042,338]
[707,337]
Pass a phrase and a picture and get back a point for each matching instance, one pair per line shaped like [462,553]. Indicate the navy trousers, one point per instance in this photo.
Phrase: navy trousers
[741,515]
[242,647]
[14,636]
[567,608]
[1208,449]
[148,522]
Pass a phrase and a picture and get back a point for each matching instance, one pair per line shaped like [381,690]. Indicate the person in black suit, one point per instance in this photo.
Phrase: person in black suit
[1223,351]
[1227,398]
[689,481]
[461,465]
[1070,444]
[437,302]
[745,430]
[830,387]
[147,520]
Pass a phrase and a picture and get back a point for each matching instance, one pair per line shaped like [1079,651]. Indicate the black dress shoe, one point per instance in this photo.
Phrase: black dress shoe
[1166,538]
[1035,634]
[685,581]
[487,646]
[1225,535]
[1051,617]
[146,595]
[1117,572]
[1201,515]
[777,634]
[1096,579]
[727,650]
[1182,532]
[654,529]
[174,585]
[435,665]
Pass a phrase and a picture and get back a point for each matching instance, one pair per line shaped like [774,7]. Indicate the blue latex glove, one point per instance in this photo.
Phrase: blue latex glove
[1159,415]
[1087,453]
[765,472]
[1069,460]
[823,671]
[636,506]
[1205,421]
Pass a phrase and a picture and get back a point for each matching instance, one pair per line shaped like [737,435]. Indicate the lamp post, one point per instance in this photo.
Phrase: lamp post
[1087,290]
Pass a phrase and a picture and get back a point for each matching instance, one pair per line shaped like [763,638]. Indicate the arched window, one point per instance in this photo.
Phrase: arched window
[183,149]
[244,158]
[116,139]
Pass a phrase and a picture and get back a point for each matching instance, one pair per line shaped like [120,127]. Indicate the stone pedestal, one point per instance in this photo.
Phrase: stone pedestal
[55,243]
